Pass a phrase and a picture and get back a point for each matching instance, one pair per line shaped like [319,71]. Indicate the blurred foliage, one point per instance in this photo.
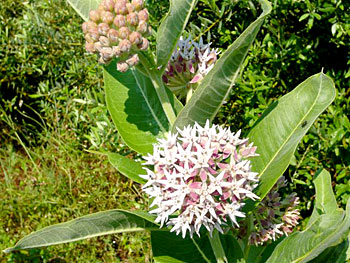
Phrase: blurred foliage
[52,108]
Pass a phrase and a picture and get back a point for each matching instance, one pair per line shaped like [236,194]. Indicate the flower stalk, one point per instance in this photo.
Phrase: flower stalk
[216,245]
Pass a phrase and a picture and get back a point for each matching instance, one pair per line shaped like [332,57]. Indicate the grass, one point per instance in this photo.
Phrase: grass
[64,183]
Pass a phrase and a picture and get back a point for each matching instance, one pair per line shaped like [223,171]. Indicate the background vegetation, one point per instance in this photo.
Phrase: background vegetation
[52,112]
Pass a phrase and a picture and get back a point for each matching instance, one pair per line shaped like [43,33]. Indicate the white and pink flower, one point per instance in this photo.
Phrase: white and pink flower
[200,176]
[188,65]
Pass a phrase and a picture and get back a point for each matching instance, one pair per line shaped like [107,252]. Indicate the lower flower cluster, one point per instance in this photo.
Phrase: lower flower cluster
[275,217]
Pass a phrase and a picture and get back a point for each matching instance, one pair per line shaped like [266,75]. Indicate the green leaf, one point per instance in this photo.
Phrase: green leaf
[325,200]
[212,91]
[278,132]
[127,167]
[83,7]
[135,108]
[98,224]
[232,248]
[168,247]
[336,254]
[327,231]
[171,28]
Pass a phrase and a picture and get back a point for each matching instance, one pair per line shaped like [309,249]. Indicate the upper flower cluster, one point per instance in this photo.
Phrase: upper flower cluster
[275,217]
[189,63]
[117,29]
[202,175]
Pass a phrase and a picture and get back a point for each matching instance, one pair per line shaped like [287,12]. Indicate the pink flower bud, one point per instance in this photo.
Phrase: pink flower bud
[113,36]
[122,66]
[132,19]
[90,39]
[143,14]
[90,47]
[135,38]
[107,17]
[144,45]
[133,60]
[116,51]
[85,27]
[108,5]
[104,41]
[124,46]
[120,7]
[142,27]
[138,4]
[130,7]
[107,53]
[119,21]
[124,32]
[94,15]
[98,46]
[103,29]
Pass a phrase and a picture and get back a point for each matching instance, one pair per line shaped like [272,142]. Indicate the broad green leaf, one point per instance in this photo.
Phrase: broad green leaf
[171,28]
[214,88]
[232,248]
[327,231]
[168,247]
[135,108]
[83,7]
[325,202]
[336,254]
[127,167]
[98,224]
[278,132]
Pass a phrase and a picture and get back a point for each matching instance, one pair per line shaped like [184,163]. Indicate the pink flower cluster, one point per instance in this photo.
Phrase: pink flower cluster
[188,65]
[118,28]
[275,217]
[200,176]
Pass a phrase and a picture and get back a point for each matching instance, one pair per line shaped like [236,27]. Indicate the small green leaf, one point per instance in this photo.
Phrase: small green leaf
[83,7]
[98,224]
[127,167]
[171,28]
[327,231]
[279,130]
[325,200]
[211,93]
[304,16]
[135,108]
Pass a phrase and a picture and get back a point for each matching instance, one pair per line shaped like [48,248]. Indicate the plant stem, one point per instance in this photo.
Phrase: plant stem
[216,245]
[159,87]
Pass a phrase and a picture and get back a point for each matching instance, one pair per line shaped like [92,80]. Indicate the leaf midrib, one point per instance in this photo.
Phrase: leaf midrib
[148,104]
[289,136]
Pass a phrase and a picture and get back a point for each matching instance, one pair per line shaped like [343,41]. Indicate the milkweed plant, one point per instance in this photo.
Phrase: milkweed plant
[214,193]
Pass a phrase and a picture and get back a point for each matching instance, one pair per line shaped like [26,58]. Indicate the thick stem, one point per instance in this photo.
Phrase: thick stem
[160,89]
[216,245]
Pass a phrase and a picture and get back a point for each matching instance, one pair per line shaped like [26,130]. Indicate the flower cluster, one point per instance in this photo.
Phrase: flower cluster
[203,176]
[189,63]
[275,217]
[117,29]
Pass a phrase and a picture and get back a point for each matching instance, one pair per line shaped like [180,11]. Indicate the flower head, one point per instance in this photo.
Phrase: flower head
[189,63]
[118,29]
[203,176]
[275,217]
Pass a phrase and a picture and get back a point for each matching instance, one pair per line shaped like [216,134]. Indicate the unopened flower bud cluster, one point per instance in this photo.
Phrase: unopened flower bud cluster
[118,28]
[188,65]
[275,217]
[201,174]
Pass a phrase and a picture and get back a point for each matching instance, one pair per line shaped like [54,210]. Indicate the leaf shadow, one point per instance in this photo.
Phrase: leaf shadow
[147,116]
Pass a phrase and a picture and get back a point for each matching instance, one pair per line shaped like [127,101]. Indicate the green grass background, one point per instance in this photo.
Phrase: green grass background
[52,112]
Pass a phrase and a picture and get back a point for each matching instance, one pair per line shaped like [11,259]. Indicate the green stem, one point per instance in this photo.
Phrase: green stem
[159,87]
[216,245]
[250,225]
